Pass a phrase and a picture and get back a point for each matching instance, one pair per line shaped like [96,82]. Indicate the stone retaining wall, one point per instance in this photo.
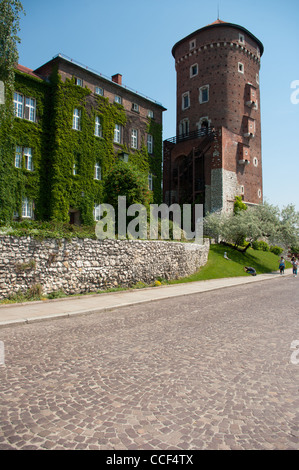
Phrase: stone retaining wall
[85,265]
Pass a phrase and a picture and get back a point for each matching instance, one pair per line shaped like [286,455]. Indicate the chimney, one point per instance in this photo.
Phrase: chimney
[117,78]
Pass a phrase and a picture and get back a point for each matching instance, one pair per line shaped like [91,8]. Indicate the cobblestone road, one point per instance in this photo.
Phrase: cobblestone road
[208,371]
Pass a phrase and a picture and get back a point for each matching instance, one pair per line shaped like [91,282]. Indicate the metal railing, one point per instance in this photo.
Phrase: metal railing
[207,131]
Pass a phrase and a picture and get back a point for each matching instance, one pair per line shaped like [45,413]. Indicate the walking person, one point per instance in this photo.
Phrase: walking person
[282,265]
[295,266]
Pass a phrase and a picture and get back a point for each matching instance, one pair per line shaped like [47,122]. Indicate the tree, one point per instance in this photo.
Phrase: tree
[9,27]
[289,226]
[126,180]
[264,221]
[239,205]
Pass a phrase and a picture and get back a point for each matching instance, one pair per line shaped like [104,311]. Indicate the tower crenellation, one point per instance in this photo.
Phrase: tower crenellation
[217,71]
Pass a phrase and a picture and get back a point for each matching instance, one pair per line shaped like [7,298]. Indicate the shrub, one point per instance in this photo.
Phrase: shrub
[277,250]
[294,250]
[57,294]
[260,245]
[35,292]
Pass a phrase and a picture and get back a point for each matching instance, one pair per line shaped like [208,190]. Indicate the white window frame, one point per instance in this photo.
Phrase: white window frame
[96,212]
[118,99]
[184,96]
[24,107]
[27,208]
[97,172]
[192,74]
[134,138]
[99,91]
[192,44]
[240,67]
[18,157]
[241,38]
[150,143]
[78,81]
[150,182]
[77,119]
[75,169]
[30,105]
[135,107]
[117,134]
[150,114]
[27,152]
[201,90]
[18,104]
[98,131]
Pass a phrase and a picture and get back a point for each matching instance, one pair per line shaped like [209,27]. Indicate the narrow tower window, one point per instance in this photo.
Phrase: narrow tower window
[186,100]
[204,94]
[193,70]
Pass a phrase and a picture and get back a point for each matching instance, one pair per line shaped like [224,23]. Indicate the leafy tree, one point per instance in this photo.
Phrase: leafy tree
[126,180]
[289,225]
[259,222]
[239,205]
[9,27]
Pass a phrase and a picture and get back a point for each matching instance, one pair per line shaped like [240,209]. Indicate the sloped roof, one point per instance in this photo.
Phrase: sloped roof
[28,71]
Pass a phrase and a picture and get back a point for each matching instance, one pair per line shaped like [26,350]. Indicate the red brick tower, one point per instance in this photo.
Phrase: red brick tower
[216,154]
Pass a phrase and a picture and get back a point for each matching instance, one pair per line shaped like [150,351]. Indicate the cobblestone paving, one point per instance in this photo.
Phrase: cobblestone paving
[206,371]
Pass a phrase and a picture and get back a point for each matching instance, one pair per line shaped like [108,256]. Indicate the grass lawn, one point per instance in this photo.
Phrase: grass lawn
[218,267]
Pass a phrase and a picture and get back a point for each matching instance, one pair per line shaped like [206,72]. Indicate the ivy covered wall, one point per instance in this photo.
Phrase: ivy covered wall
[57,147]
[34,184]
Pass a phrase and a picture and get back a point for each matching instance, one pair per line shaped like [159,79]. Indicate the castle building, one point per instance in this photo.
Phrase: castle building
[216,153]
[71,124]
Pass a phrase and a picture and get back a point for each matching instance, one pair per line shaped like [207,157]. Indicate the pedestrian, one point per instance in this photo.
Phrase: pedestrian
[295,266]
[250,270]
[282,265]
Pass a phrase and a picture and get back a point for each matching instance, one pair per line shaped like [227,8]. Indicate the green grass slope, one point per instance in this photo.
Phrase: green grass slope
[219,267]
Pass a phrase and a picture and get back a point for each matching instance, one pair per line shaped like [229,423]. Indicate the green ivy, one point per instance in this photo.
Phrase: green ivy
[33,184]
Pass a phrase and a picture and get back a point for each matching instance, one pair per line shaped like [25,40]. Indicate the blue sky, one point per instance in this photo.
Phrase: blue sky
[135,38]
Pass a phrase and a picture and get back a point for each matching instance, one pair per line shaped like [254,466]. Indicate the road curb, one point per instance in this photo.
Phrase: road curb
[88,311]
